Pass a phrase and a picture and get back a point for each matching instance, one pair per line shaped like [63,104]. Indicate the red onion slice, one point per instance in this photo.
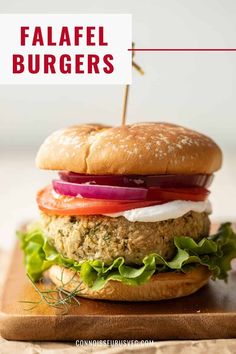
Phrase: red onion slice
[98,191]
[139,181]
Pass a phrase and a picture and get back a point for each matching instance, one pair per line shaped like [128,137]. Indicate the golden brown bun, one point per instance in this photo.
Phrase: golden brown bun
[159,287]
[144,148]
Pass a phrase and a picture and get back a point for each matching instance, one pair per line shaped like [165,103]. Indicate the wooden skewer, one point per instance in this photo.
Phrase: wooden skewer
[125,105]
[138,68]
[126,95]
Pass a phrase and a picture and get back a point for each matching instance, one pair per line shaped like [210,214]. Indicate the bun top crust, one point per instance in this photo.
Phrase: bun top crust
[143,148]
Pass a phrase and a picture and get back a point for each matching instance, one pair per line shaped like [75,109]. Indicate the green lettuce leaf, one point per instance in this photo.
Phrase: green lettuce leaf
[215,252]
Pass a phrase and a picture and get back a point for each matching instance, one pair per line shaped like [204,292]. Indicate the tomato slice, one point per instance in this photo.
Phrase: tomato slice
[195,194]
[62,205]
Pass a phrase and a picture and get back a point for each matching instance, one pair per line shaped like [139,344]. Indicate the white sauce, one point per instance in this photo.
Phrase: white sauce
[170,210]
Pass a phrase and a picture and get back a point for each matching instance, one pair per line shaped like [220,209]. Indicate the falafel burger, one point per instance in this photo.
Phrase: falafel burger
[127,218]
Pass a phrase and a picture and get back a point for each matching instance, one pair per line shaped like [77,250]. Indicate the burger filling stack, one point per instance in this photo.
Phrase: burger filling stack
[127,217]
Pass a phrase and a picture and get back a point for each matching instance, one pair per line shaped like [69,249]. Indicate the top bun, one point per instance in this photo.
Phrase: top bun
[143,148]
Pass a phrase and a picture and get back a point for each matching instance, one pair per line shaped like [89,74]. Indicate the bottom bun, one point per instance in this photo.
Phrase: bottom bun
[160,287]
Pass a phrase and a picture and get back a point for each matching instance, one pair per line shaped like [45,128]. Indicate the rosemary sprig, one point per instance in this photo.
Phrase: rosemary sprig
[57,297]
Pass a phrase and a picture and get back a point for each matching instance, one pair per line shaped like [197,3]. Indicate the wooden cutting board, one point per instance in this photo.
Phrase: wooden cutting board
[209,313]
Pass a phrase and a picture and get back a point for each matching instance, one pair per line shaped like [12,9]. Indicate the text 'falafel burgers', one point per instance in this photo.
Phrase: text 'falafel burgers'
[127,219]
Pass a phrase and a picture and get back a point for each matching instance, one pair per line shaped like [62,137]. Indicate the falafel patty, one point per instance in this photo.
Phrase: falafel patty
[105,238]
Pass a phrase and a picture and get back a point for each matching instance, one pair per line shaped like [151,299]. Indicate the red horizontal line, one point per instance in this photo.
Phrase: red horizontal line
[182,49]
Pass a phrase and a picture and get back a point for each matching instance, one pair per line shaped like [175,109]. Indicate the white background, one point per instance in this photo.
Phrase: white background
[193,89]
